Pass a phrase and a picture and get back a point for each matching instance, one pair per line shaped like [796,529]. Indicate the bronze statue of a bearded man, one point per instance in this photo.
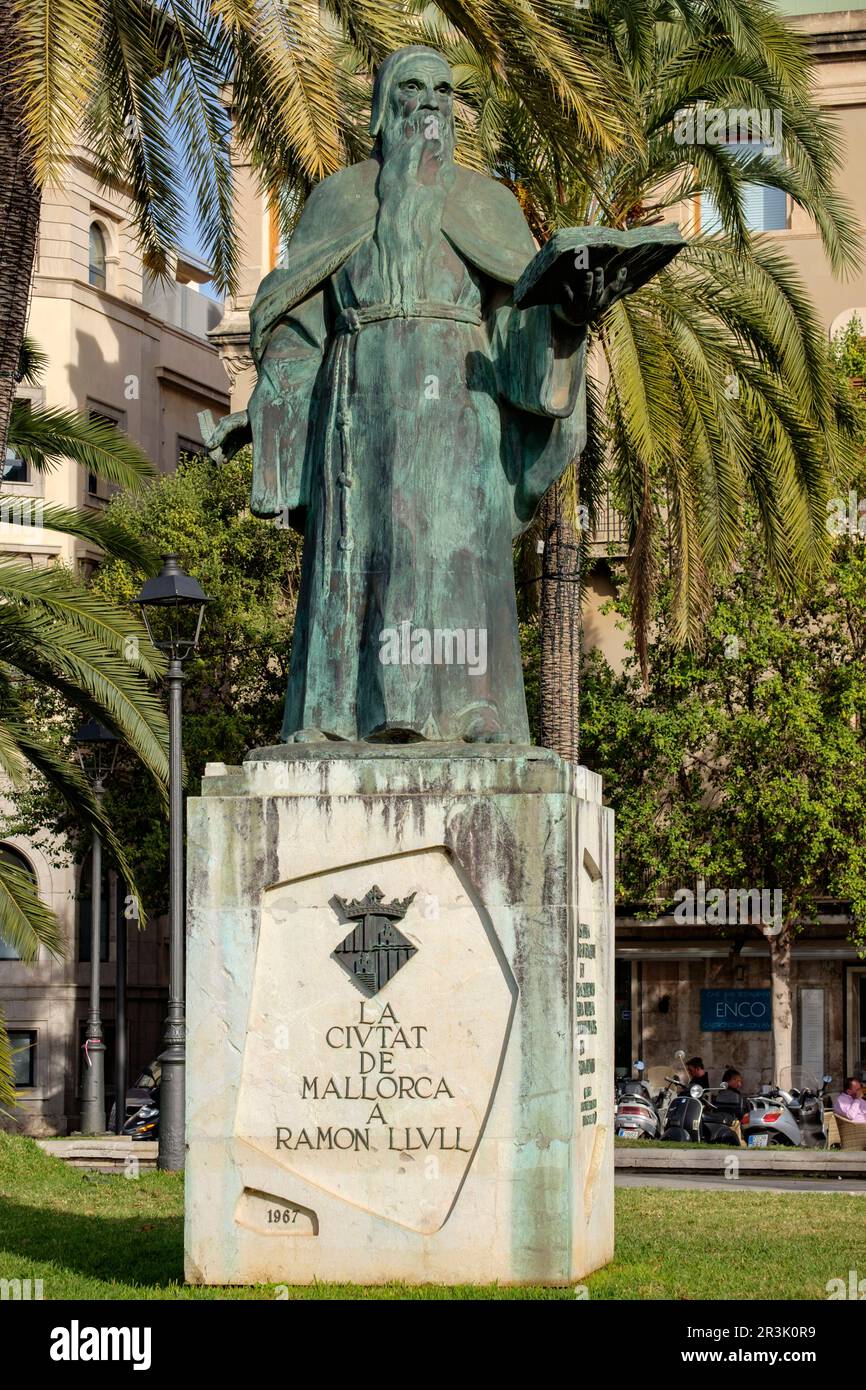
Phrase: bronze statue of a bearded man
[420,387]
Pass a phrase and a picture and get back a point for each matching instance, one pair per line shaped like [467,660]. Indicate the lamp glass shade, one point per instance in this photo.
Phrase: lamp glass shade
[96,750]
[172,605]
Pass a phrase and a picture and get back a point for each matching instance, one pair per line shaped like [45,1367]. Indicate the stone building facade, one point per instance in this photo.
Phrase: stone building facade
[672,981]
[134,352]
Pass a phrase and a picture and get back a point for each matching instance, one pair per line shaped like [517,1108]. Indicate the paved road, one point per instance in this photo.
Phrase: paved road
[764,1183]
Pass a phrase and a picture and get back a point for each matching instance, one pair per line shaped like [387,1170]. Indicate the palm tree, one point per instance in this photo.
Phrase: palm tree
[57,635]
[142,84]
[716,381]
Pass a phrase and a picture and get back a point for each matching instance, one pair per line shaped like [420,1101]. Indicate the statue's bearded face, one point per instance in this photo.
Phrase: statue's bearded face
[417,154]
[421,108]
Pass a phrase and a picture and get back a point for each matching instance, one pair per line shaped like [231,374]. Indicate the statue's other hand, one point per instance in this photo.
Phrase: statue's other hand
[223,439]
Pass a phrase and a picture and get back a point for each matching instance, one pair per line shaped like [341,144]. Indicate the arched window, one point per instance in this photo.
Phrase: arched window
[85,909]
[96,256]
[14,857]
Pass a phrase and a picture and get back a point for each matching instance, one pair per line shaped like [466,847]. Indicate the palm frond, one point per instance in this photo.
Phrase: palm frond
[98,683]
[12,762]
[126,129]
[45,435]
[53,594]
[194,77]
[54,43]
[32,362]
[77,795]
[7,1075]
[592,477]
[104,531]
[26,924]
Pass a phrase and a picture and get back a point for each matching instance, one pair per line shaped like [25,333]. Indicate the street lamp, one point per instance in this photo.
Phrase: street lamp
[172,606]
[96,751]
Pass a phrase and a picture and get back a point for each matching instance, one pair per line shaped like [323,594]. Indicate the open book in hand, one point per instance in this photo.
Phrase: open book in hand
[583,270]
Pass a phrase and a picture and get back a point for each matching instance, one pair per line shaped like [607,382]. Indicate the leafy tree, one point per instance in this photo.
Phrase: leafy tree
[849,350]
[235,686]
[715,388]
[741,761]
[60,641]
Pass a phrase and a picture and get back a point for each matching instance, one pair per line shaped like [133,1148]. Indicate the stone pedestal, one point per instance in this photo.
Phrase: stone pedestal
[400,1018]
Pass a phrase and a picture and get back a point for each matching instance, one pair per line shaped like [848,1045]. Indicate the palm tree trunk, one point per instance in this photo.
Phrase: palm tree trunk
[560,630]
[20,198]
[780,982]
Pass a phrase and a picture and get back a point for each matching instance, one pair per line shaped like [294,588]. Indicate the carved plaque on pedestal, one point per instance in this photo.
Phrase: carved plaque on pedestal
[371,1074]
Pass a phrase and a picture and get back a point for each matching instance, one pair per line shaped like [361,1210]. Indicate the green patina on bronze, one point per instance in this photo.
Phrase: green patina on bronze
[420,387]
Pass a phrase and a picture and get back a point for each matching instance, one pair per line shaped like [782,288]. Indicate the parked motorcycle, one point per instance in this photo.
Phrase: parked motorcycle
[693,1117]
[144,1091]
[636,1115]
[144,1123]
[793,1116]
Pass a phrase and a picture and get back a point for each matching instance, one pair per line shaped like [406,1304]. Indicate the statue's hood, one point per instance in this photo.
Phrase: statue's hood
[482,219]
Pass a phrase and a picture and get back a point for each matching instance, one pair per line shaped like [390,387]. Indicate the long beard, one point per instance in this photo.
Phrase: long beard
[416,174]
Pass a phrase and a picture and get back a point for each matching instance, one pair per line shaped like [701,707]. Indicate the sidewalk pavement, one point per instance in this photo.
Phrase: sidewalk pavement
[106,1153]
[639,1158]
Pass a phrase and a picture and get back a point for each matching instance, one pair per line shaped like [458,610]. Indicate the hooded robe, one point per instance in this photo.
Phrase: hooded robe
[410,442]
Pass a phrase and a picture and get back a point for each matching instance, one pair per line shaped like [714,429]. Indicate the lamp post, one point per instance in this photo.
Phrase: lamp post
[97,753]
[172,605]
[120,1057]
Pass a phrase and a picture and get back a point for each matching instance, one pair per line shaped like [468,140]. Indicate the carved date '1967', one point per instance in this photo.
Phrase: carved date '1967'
[287,1215]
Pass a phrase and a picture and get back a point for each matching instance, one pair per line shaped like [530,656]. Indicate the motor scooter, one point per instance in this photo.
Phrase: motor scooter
[693,1117]
[636,1115]
[793,1116]
[144,1124]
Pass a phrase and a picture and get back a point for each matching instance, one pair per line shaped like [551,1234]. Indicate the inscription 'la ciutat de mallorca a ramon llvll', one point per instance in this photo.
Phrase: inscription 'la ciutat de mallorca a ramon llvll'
[400,916]
[372,954]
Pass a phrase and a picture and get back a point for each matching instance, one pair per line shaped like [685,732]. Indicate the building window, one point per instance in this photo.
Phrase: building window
[96,256]
[23,1043]
[623,1060]
[765,209]
[85,909]
[16,860]
[87,568]
[189,448]
[15,468]
[104,415]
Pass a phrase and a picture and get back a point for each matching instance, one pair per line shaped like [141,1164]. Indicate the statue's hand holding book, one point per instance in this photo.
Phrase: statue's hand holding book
[582,271]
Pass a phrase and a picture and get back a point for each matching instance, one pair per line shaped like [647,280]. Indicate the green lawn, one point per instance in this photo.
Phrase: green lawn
[639,1144]
[94,1237]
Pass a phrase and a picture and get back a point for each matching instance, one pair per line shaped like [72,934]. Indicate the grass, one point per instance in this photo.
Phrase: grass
[89,1236]
[671,1144]
[640,1144]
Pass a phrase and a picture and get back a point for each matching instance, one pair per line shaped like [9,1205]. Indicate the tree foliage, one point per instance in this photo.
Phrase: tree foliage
[742,760]
[67,653]
[235,686]
[716,389]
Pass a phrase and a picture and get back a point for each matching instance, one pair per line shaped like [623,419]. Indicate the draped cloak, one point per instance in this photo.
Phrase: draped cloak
[410,442]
